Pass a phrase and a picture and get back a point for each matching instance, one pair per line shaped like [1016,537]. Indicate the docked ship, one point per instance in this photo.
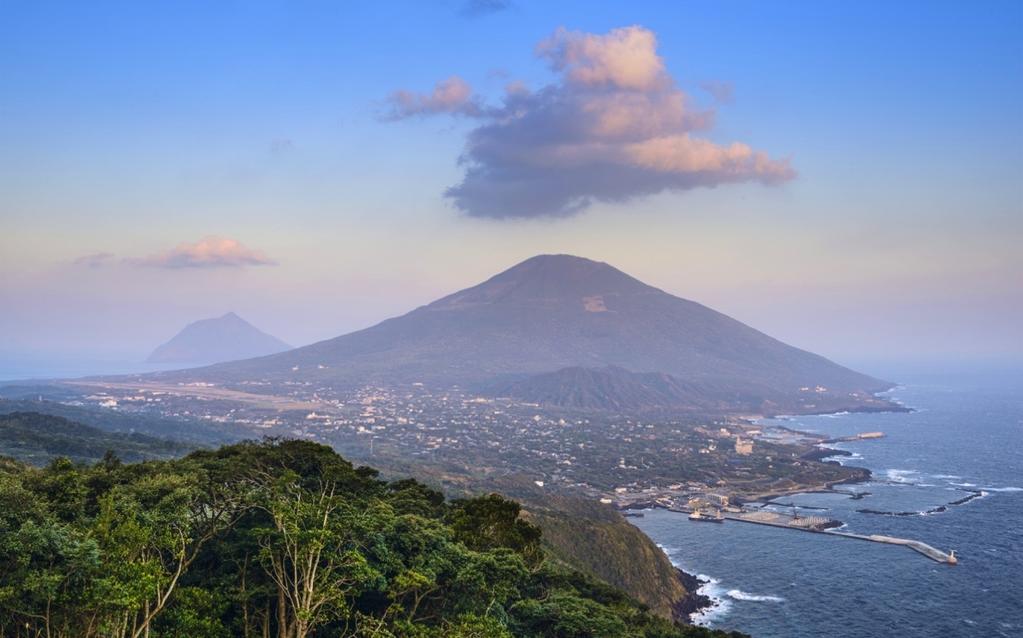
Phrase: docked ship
[697,515]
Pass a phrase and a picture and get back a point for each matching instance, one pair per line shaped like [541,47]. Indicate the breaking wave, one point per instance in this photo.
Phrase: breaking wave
[711,588]
[738,594]
[900,476]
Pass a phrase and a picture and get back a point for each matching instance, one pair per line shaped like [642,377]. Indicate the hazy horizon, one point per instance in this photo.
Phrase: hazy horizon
[318,169]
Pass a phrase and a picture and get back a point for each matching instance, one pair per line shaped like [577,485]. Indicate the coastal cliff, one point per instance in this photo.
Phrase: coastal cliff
[599,541]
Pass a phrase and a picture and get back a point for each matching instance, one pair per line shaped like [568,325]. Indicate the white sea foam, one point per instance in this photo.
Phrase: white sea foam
[721,605]
[709,587]
[946,476]
[899,476]
[666,548]
[1002,489]
[741,595]
[965,484]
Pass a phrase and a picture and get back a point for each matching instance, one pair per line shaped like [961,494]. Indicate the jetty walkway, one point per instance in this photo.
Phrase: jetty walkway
[923,548]
[818,525]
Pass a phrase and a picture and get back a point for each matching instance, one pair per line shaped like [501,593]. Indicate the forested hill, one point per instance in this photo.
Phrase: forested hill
[284,539]
[39,438]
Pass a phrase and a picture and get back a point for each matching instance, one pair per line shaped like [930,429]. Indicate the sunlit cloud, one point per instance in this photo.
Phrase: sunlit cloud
[208,252]
[612,127]
[453,96]
[623,59]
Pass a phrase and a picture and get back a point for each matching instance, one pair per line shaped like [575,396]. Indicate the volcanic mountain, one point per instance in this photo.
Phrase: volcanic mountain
[226,338]
[517,333]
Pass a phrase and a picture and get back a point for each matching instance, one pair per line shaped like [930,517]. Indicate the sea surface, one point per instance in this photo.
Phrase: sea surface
[966,434]
[19,367]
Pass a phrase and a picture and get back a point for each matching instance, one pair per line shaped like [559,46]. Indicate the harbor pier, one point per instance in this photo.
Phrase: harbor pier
[821,525]
[921,547]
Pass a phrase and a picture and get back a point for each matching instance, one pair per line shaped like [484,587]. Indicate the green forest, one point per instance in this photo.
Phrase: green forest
[283,539]
[37,439]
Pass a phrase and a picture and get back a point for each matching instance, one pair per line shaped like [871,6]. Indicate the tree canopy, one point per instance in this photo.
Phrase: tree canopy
[283,539]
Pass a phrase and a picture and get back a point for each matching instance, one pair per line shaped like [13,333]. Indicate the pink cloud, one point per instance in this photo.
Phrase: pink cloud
[625,58]
[208,252]
[684,154]
[613,126]
[453,95]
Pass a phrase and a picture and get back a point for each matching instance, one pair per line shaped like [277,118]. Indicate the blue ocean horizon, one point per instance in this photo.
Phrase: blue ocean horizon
[18,367]
[964,436]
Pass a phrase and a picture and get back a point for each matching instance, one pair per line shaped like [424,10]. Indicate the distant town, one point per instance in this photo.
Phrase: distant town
[627,461]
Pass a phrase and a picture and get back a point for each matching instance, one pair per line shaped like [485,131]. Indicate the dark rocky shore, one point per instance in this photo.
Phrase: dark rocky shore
[821,453]
[683,610]
[934,510]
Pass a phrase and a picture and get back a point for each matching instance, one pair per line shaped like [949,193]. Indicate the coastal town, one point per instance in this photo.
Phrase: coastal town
[622,460]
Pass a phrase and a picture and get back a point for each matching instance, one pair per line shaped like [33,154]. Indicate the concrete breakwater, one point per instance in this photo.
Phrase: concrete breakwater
[821,525]
[921,547]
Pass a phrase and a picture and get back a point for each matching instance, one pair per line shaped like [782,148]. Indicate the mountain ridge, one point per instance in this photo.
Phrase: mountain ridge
[215,340]
[552,312]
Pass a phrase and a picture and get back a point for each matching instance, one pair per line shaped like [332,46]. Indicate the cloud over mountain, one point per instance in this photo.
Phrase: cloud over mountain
[208,252]
[613,126]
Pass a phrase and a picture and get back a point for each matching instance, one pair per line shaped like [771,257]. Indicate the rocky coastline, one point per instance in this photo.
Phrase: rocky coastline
[694,602]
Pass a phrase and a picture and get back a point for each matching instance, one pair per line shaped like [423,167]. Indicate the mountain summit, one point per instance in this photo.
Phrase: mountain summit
[225,338]
[549,278]
[557,312]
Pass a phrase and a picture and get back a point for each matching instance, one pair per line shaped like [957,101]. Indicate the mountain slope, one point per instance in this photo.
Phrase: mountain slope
[39,438]
[557,311]
[610,388]
[225,338]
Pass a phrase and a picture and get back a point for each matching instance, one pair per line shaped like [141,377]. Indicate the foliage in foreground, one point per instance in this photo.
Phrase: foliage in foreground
[284,539]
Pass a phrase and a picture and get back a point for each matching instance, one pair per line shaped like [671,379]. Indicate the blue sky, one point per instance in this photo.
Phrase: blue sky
[128,129]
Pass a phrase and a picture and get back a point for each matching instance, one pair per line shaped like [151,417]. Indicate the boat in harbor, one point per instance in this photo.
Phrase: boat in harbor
[697,515]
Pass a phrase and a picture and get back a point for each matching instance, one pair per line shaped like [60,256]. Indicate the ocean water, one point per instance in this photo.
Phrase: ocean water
[19,367]
[967,434]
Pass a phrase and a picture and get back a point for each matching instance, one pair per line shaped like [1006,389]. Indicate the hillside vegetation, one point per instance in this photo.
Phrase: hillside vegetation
[285,539]
[596,539]
[39,438]
[193,432]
